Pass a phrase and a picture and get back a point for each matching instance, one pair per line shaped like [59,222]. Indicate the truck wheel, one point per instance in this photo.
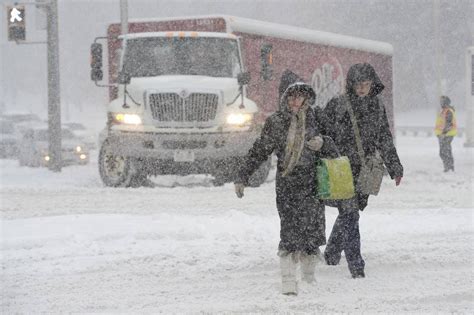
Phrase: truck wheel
[141,180]
[115,170]
[219,181]
[259,177]
[224,171]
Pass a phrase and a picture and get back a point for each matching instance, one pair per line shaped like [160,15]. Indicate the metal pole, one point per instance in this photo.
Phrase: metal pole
[438,50]
[54,107]
[3,81]
[469,97]
[124,16]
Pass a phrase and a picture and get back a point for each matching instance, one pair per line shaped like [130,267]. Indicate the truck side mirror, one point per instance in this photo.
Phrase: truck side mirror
[266,60]
[124,78]
[96,62]
[243,78]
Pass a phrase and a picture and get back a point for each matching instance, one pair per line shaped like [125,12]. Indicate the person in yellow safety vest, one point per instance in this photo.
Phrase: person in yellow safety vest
[445,130]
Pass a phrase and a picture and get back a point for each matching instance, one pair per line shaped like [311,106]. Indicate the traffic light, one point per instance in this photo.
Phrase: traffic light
[16,23]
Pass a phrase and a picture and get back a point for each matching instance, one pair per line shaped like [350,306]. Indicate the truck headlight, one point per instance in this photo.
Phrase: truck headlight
[78,149]
[129,119]
[238,119]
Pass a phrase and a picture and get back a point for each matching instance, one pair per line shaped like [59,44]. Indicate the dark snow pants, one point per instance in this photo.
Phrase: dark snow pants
[446,153]
[345,237]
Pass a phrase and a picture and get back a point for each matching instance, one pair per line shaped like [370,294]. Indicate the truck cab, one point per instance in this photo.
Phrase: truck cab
[181,109]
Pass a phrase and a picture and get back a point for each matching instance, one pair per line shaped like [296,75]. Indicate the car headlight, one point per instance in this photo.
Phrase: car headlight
[238,119]
[78,149]
[129,119]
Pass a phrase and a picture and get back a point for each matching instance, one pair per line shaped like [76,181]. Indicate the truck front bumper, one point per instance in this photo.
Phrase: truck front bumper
[167,146]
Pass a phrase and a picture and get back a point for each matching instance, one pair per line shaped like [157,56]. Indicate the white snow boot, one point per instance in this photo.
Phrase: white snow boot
[308,263]
[289,285]
[319,257]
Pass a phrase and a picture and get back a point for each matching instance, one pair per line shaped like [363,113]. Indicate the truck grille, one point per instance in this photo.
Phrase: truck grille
[170,107]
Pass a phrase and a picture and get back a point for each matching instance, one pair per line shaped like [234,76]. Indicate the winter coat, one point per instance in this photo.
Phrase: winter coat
[446,122]
[371,120]
[301,216]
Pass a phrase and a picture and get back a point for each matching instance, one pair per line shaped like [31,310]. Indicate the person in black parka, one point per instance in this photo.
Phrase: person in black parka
[289,77]
[292,134]
[362,89]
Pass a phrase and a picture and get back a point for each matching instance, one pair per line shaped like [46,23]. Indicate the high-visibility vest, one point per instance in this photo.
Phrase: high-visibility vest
[441,123]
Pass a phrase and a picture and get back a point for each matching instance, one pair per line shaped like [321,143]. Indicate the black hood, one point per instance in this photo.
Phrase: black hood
[297,87]
[363,72]
[287,78]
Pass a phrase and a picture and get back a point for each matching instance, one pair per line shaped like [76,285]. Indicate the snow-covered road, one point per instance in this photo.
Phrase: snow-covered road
[70,245]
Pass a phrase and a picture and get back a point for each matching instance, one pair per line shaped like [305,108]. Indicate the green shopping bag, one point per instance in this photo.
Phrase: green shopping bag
[334,179]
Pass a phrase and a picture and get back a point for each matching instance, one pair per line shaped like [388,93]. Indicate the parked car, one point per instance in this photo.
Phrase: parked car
[81,131]
[33,148]
[19,117]
[9,138]
[21,121]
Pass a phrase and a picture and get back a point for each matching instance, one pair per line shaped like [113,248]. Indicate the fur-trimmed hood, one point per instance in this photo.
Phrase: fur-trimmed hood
[301,87]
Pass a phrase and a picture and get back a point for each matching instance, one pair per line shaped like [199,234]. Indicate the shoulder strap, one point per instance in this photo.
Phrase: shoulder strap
[340,108]
[381,107]
[355,128]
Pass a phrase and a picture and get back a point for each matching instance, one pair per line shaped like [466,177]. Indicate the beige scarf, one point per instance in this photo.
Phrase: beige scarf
[295,140]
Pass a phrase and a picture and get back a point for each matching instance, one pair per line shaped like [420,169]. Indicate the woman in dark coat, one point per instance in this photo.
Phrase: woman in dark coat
[292,133]
[362,89]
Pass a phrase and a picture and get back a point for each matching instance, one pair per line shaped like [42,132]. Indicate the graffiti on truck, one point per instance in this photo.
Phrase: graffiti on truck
[327,81]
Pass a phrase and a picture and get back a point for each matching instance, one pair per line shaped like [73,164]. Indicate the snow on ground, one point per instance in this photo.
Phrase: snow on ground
[68,244]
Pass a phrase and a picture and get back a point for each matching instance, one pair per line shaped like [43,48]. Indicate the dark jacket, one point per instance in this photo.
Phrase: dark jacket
[302,218]
[371,120]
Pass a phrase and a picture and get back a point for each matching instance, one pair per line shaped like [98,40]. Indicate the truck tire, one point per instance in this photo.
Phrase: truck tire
[259,177]
[219,181]
[140,179]
[115,170]
[222,172]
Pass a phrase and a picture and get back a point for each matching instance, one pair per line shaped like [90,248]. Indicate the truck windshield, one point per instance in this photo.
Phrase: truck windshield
[207,56]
